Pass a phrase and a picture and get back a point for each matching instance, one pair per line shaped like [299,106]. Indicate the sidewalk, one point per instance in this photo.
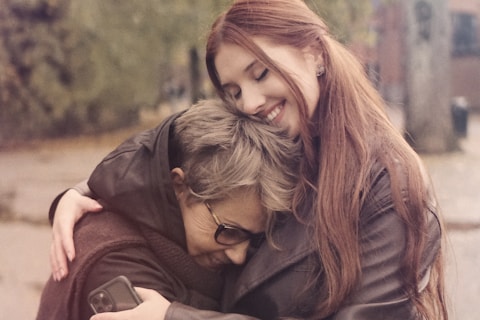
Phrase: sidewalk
[456,178]
[31,178]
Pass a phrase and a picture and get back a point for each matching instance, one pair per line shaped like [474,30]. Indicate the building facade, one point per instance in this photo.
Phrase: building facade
[388,58]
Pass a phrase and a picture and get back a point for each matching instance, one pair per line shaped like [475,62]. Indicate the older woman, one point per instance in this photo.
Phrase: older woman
[205,184]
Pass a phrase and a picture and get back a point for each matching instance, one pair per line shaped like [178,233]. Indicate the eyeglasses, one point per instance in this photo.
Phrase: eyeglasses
[229,235]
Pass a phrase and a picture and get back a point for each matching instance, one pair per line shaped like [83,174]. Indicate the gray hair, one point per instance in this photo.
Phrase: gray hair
[223,151]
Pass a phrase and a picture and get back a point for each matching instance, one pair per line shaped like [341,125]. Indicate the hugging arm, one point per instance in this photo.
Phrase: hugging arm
[65,211]
[71,205]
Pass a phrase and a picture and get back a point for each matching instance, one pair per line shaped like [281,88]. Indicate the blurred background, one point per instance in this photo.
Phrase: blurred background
[79,76]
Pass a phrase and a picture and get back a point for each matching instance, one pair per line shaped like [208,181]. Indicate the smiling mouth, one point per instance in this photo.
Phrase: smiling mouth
[275,112]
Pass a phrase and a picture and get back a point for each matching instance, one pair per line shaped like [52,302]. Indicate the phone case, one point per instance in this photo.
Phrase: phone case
[116,295]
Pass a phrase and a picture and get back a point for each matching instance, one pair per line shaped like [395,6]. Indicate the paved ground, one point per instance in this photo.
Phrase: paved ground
[457,181]
[32,176]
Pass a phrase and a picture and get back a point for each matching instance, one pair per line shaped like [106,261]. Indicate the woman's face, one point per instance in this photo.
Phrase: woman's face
[244,211]
[257,90]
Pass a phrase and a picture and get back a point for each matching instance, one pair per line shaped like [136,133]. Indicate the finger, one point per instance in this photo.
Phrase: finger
[87,205]
[90,205]
[66,247]
[60,260]
[53,261]
[146,294]
[59,268]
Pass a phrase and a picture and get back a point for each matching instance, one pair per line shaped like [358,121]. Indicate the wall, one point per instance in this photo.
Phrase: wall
[465,68]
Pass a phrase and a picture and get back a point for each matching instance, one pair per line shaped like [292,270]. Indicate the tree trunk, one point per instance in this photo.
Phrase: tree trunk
[428,120]
[195,78]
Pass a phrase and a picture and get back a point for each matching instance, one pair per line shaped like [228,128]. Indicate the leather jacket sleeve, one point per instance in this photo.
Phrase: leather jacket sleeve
[382,239]
[380,295]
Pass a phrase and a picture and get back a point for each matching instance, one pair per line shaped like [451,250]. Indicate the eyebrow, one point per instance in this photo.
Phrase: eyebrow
[247,68]
[227,221]
[250,65]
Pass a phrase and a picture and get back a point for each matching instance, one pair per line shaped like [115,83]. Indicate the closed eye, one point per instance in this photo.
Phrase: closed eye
[233,91]
[237,95]
[262,75]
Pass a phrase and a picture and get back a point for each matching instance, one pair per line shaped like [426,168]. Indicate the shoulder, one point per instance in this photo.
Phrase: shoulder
[98,231]
[379,215]
[380,219]
[377,192]
[383,182]
[145,140]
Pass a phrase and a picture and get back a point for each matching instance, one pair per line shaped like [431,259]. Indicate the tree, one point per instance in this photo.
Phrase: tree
[427,59]
[75,66]
[348,20]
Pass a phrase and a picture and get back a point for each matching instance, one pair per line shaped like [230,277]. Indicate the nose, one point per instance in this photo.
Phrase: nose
[238,253]
[252,100]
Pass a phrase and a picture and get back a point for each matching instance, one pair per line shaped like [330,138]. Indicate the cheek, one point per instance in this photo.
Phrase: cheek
[200,239]
[311,92]
[313,103]
[279,86]
[309,88]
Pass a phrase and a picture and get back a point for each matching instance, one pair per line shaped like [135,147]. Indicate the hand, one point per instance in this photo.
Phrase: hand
[153,307]
[71,207]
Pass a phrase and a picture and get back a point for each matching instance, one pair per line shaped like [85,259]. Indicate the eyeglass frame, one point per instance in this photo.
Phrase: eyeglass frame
[255,239]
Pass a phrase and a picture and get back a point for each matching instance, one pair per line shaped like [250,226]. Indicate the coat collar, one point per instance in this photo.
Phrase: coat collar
[134,180]
[293,239]
[162,186]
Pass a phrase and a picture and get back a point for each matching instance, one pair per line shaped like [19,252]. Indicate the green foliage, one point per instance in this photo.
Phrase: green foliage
[348,20]
[74,66]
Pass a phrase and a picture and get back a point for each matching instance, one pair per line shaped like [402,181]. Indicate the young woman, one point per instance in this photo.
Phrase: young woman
[210,182]
[367,239]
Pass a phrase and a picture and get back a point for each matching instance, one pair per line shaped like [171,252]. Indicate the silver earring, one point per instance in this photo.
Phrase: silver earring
[320,70]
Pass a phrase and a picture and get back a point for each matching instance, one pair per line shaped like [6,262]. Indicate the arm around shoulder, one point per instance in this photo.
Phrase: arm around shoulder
[81,188]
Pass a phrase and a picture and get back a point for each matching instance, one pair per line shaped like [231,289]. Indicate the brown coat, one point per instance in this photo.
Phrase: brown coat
[150,252]
[107,245]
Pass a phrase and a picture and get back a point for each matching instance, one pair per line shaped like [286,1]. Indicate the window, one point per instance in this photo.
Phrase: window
[464,32]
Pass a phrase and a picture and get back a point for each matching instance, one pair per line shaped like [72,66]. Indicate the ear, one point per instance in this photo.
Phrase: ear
[313,56]
[178,179]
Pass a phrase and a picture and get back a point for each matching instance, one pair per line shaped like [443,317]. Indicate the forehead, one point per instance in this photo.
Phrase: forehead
[232,60]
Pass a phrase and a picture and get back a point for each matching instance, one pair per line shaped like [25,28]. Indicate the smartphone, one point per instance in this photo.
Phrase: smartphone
[116,295]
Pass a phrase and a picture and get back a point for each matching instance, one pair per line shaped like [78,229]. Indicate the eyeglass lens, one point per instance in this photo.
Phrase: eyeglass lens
[230,235]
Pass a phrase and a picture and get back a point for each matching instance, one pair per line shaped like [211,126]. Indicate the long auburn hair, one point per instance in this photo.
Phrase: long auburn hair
[354,132]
